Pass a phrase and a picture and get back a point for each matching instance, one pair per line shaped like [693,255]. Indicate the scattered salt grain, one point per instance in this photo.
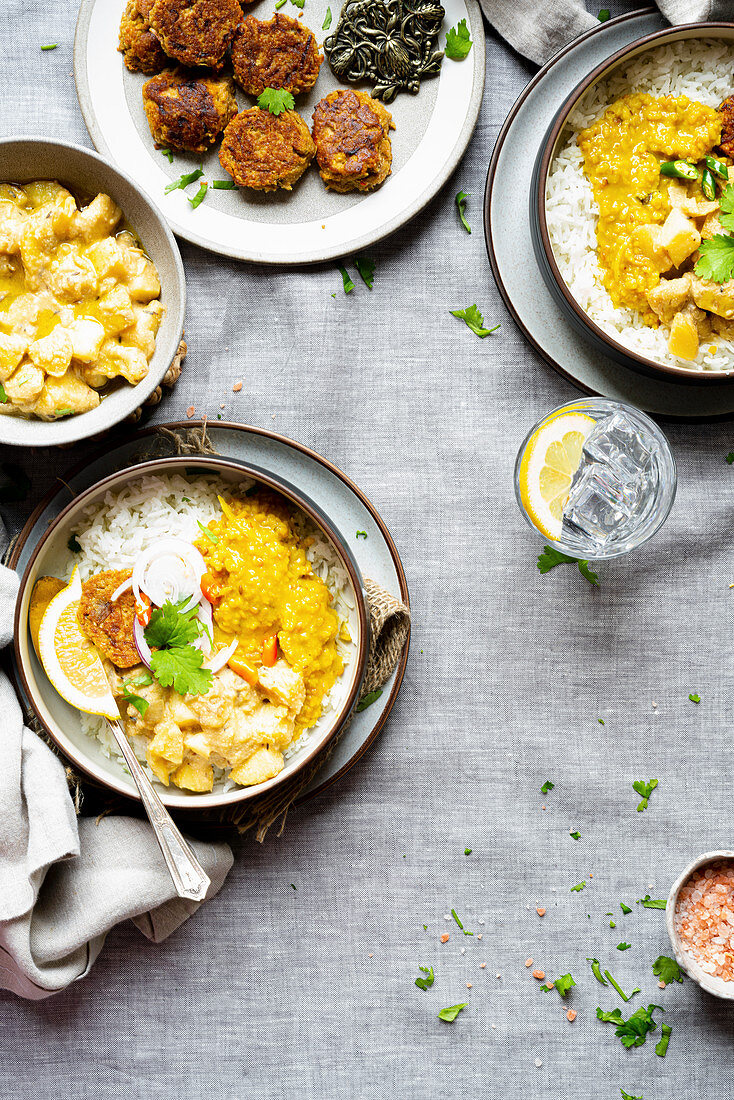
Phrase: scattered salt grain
[538,1063]
[540,912]
[445,938]
[482,966]
[237,387]
[468,985]
[463,950]
[570,1015]
[539,975]
[190,411]
[528,962]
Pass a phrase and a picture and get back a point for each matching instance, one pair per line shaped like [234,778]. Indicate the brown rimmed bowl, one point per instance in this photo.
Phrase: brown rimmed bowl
[710,982]
[62,721]
[576,316]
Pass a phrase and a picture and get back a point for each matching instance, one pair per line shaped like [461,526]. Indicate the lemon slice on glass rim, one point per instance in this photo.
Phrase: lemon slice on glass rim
[69,659]
[551,457]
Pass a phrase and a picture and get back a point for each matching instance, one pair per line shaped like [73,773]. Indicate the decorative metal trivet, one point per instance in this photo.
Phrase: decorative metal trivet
[391,42]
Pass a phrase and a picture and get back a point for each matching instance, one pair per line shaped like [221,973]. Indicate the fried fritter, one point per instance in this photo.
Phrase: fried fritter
[186,111]
[726,145]
[109,626]
[279,53]
[143,7]
[196,32]
[352,135]
[141,50]
[265,151]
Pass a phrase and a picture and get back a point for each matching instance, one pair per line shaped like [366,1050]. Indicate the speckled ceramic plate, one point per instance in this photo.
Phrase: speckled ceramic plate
[308,224]
[337,496]
[510,247]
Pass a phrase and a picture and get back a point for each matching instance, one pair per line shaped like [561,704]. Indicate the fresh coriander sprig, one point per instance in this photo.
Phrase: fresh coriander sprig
[427,982]
[276,100]
[460,201]
[175,662]
[346,280]
[449,1014]
[184,181]
[667,969]
[327,20]
[458,41]
[644,789]
[474,320]
[652,903]
[550,558]
[366,268]
[633,1031]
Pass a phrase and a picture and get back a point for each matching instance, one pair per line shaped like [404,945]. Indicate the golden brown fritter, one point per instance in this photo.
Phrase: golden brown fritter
[186,111]
[196,32]
[352,135]
[266,151]
[109,626]
[143,7]
[726,145]
[141,50]
[279,53]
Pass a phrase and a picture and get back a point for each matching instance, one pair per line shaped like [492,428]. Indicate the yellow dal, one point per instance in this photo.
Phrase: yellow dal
[622,155]
[265,585]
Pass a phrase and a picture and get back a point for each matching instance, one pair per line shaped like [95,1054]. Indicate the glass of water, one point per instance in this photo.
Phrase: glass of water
[595,478]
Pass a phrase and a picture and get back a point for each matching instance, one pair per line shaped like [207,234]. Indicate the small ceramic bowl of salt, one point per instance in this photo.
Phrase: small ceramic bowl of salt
[700,922]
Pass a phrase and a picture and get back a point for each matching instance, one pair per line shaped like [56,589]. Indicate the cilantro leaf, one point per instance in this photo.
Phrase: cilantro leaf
[575,836]
[550,558]
[651,903]
[661,1047]
[644,789]
[458,41]
[467,851]
[460,201]
[276,100]
[425,983]
[3,396]
[449,1014]
[547,786]
[623,946]
[667,969]
[603,15]
[184,181]
[695,698]
[167,154]
[368,700]
[346,280]
[625,908]
[199,196]
[596,970]
[474,320]
[327,20]
[180,667]
[74,545]
[716,259]
[619,989]
[578,888]
[141,705]
[366,268]
[563,984]
[730,457]
[633,1031]
[627,1096]
[170,626]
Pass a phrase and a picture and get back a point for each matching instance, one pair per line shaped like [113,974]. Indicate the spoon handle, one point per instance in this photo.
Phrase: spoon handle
[189,877]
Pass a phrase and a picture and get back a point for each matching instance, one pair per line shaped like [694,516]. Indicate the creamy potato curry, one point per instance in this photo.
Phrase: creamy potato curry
[646,159]
[79,301]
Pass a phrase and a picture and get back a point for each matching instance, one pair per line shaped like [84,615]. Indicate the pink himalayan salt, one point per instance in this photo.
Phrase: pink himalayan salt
[704,919]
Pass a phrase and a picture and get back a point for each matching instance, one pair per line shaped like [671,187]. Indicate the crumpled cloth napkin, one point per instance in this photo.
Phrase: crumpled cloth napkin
[66,881]
[538,32]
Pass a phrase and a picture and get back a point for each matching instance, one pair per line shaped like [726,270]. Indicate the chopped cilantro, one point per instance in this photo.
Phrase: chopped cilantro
[661,1047]
[171,626]
[667,969]
[633,1031]
[74,545]
[622,946]
[141,705]
[625,908]
[427,982]
[223,185]
[651,903]
[361,535]
[455,915]
[298,3]
[167,154]
[644,789]
[207,533]
[293,886]
[547,786]
[458,41]
[603,15]
[199,196]
[3,396]
[550,558]
[449,1014]
[575,836]
[279,4]
[730,457]
[596,970]
[579,887]
[51,46]
[184,181]
[600,721]
[14,484]
[612,924]
[366,268]
[618,987]
[460,201]
[327,20]
[627,1096]
[176,662]
[695,698]
[474,320]
[276,100]
[562,984]
[346,280]
[467,851]
[368,700]
[425,927]
[65,410]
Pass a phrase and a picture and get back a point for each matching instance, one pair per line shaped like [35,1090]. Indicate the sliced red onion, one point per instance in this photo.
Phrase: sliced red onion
[123,588]
[204,641]
[141,645]
[170,570]
[220,659]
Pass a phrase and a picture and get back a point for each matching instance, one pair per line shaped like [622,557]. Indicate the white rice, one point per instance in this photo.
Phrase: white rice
[117,529]
[701,69]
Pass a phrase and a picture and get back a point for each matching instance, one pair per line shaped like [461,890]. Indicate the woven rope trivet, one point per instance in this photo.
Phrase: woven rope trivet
[169,380]
[389,630]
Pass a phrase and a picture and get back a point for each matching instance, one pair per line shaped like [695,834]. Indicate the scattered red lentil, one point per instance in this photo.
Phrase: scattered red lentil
[445,938]
[570,1015]
[237,387]
[539,975]
[528,962]
[661,985]
[704,919]
[540,912]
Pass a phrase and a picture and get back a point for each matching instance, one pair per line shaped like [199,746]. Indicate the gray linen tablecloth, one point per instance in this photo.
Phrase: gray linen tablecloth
[272,992]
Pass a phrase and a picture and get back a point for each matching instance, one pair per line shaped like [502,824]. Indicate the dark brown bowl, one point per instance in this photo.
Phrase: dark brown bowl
[550,271]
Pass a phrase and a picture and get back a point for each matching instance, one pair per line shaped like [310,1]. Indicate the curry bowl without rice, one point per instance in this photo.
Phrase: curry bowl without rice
[627,191]
[273,669]
[46,266]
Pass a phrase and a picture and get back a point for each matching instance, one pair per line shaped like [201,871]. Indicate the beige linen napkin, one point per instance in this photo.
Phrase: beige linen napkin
[540,32]
[66,881]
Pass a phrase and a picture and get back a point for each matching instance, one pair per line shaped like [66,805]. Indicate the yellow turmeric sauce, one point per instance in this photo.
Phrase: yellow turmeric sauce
[263,585]
[622,154]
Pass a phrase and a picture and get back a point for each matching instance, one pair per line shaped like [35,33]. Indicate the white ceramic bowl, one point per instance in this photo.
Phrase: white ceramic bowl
[23,159]
[61,721]
[709,982]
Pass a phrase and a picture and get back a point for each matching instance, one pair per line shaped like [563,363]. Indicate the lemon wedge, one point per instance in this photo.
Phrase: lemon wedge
[70,661]
[551,458]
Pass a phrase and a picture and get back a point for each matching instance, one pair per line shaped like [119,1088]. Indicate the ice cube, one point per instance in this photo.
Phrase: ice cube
[599,503]
[617,442]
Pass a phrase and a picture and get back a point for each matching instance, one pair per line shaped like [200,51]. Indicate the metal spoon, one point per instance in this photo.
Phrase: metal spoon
[189,877]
